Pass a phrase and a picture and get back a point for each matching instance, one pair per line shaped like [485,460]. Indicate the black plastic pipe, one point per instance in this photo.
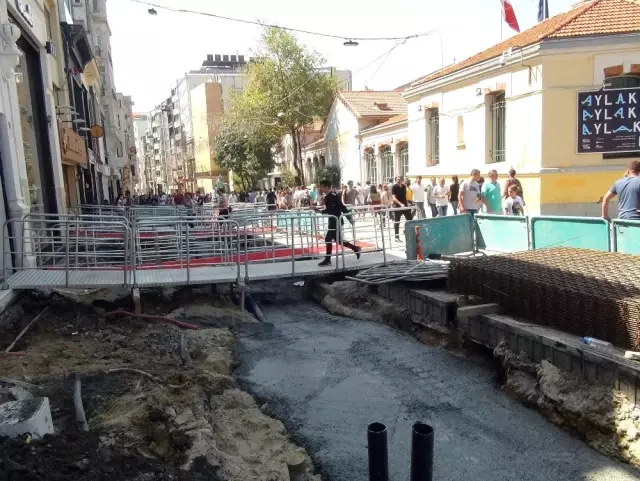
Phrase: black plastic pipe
[378,455]
[421,452]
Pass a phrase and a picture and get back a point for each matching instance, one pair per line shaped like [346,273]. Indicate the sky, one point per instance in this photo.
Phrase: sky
[151,52]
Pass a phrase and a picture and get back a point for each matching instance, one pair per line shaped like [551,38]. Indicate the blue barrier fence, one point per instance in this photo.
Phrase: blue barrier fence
[580,232]
[502,233]
[439,235]
[626,236]
[455,234]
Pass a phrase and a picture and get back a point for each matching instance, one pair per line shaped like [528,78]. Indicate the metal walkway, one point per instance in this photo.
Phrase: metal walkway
[145,248]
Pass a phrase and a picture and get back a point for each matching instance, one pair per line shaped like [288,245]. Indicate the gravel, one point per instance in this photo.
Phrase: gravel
[328,377]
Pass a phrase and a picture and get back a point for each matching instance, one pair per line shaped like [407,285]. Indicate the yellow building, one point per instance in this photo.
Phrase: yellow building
[515,105]
[207,109]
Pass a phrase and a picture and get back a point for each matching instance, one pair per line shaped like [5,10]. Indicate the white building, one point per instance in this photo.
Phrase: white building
[358,125]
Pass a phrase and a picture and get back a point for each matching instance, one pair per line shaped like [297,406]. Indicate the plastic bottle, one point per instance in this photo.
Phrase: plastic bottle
[597,343]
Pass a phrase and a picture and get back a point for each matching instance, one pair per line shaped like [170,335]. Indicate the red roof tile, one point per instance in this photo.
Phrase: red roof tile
[398,119]
[371,103]
[598,17]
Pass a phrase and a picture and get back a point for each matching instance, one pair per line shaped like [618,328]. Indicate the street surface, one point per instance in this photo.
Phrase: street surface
[327,378]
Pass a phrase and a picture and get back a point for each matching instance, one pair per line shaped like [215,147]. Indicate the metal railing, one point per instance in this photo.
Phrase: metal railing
[157,246]
[186,244]
[60,250]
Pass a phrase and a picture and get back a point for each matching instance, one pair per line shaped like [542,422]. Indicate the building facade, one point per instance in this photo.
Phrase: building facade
[515,106]
[364,134]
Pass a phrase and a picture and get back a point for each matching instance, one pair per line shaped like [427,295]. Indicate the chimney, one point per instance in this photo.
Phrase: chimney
[241,58]
[225,58]
[218,58]
[209,58]
[234,58]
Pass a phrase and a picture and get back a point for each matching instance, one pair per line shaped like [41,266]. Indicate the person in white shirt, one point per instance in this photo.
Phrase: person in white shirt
[513,204]
[441,194]
[431,198]
[469,197]
[418,196]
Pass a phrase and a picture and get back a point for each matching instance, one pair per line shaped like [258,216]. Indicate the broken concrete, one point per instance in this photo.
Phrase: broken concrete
[29,417]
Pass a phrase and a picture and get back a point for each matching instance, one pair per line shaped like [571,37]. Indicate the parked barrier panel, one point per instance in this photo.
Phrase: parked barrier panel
[502,233]
[440,235]
[579,232]
[626,236]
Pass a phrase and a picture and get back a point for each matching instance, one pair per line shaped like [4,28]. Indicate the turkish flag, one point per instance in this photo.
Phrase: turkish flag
[510,15]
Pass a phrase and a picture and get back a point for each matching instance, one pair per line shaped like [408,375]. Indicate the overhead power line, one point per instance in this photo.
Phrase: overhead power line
[291,29]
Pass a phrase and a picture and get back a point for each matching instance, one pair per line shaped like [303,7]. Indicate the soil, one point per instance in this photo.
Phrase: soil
[188,423]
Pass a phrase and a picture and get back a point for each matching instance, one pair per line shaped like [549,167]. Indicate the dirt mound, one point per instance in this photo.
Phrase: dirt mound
[80,456]
[151,417]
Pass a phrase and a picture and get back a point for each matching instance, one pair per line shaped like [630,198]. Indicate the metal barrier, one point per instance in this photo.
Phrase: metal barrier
[69,252]
[579,232]
[195,250]
[626,236]
[278,242]
[502,233]
[439,235]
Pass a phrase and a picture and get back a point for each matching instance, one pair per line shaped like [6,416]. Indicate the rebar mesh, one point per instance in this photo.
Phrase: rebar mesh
[580,291]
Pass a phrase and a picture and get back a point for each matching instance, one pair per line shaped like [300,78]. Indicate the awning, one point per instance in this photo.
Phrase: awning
[91,74]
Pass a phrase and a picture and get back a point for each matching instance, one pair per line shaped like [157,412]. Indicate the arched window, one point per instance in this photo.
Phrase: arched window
[404,159]
[387,163]
[371,166]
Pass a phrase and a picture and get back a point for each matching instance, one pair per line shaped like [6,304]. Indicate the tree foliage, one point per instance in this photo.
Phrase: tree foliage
[244,148]
[284,84]
[329,172]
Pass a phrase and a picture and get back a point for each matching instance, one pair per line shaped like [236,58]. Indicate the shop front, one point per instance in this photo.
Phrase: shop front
[39,189]
[74,159]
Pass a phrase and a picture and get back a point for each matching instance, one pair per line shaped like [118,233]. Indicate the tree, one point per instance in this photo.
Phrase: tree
[245,148]
[331,173]
[284,83]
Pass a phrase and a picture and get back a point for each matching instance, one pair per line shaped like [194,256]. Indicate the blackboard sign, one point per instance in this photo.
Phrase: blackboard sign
[609,121]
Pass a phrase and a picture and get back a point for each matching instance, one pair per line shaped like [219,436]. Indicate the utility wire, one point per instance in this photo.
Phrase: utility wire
[298,30]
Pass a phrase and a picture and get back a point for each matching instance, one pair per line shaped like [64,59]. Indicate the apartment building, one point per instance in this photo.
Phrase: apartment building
[181,128]
[143,153]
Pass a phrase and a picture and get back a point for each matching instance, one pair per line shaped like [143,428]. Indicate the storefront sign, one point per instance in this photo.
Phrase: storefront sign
[72,146]
[609,121]
[25,10]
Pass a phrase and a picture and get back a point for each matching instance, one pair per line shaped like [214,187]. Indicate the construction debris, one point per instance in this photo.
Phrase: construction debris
[408,271]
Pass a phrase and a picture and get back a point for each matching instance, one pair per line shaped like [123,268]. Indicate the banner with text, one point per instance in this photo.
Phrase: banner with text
[609,121]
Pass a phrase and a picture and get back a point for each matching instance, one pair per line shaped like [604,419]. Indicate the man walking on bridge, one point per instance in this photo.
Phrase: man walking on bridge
[334,207]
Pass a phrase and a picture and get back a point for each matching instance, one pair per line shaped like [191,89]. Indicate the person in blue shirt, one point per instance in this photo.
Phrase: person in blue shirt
[628,191]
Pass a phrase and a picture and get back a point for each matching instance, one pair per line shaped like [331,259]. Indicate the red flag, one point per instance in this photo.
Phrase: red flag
[510,15]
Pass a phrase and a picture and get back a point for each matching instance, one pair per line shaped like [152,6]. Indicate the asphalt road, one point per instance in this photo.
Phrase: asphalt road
[327,378]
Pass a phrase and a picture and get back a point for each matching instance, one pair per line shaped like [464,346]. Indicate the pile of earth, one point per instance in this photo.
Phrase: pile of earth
[152,416]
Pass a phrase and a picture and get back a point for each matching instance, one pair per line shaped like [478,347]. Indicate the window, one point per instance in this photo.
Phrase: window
[371,166]
[96,5]
[118,117]
[133,171]
[119,152]
[387,163]
[460,137]
[434,137]
[498,125]
[404,160]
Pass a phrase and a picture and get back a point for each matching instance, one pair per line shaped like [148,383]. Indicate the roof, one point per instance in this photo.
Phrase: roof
[370,103]
[314,144]
[398,119]
[598,17]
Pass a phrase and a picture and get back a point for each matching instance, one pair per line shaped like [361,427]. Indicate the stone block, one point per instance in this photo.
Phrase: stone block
[31,416]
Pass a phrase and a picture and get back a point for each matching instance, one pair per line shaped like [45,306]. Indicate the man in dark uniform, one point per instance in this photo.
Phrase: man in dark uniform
[334,207]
